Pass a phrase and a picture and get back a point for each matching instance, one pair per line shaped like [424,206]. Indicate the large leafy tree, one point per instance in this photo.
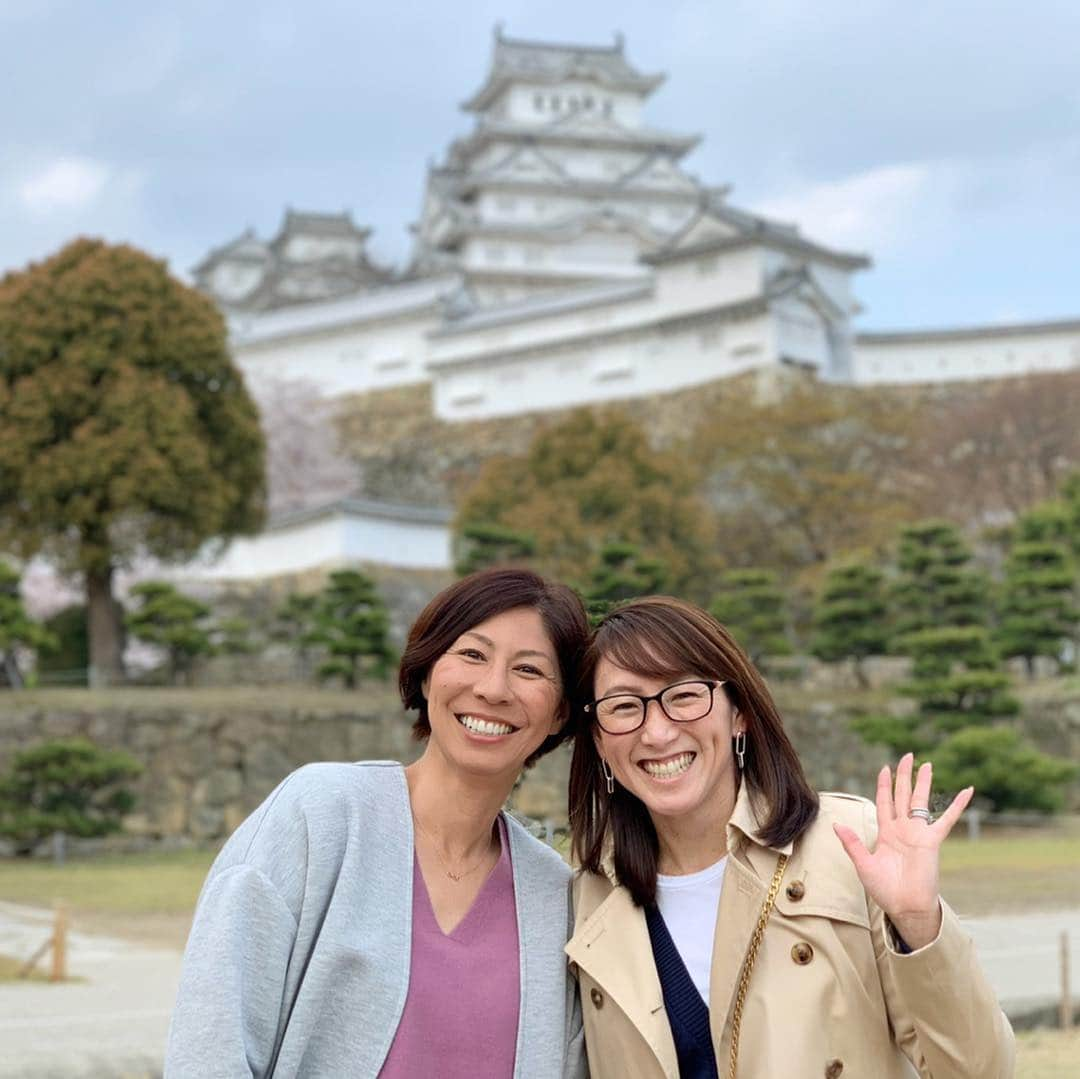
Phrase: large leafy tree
[807,474]
[124,426]
[591,480]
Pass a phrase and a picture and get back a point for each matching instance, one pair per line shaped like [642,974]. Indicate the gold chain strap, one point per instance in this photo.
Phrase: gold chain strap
[751,958]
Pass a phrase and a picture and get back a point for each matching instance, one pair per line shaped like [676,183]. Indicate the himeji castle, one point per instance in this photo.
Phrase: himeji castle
[563,255]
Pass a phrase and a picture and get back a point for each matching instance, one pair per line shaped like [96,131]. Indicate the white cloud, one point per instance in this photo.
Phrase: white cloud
[872,210]
[68,183]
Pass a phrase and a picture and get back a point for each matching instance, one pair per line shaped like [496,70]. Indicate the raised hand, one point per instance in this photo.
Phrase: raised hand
[901,874]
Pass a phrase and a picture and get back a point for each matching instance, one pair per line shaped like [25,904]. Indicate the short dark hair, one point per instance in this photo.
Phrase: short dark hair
[662,637]
[475,599]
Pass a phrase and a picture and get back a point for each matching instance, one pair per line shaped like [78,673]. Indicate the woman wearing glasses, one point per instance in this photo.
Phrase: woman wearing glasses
[729,920]
[373,920]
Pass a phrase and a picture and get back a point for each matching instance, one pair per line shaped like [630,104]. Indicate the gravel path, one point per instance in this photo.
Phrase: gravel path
[112,1023]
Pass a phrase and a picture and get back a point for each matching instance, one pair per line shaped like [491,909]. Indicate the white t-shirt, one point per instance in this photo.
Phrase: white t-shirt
[688,905]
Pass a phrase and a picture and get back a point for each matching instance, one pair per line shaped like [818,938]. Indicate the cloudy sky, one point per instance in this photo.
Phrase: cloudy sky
[942,138]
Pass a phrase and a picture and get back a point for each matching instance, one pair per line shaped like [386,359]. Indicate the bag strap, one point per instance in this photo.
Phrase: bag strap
[751,958]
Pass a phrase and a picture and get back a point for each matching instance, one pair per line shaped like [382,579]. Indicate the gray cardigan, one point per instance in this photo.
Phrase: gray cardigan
[297,966]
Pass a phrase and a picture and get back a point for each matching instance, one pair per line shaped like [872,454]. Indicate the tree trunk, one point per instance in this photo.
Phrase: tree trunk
[103,626]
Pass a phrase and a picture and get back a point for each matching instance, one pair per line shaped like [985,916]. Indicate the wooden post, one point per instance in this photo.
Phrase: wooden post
[59,945]
[1066,994]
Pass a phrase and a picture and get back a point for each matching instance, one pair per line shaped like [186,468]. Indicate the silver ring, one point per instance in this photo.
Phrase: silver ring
[922,814]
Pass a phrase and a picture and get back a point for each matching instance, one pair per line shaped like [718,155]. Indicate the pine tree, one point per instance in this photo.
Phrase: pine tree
[484,543]
[352,624]
[1037,613]
[70,786]
[621,573]
[753,608]
[173,622]
[17,630]
[850,618]
[293,623]
[935,588]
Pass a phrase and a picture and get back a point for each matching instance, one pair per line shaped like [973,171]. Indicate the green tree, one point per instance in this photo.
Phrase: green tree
[1005,771]
[807,473]
[173,622]
[935,588]
[850,617]
[1037,613]
[124,425]
[621,573]
[17,629]
[70,786]
[352,623]
[68,662]
[594,479]
[293,623]
[753,607]
[483,544]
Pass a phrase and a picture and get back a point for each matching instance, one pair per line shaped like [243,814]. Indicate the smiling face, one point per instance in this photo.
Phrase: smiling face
[495,694]
[678,770]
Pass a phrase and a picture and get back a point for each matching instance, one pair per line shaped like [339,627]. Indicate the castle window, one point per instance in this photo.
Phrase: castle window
[556,102]
[588,101]
[573,104]
[607,106]
[538,102]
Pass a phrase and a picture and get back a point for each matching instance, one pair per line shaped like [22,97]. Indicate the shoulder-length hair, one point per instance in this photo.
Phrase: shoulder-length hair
[662,637]
[475,599]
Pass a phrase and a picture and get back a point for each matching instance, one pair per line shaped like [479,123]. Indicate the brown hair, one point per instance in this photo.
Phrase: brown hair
[476,598]
[662,637]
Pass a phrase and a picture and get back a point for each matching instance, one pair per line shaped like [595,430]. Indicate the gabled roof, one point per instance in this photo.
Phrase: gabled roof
[569,131]
[246,247]
[297,223]
[547,63]
[737,228]
[801,282]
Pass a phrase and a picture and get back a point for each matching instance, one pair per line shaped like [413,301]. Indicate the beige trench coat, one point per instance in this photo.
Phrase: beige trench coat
[829,995]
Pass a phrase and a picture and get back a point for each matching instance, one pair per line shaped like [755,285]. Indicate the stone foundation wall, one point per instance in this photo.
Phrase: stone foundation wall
[211,756]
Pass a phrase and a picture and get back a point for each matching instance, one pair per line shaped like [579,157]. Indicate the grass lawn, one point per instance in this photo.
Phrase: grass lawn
[9,969]
[1020,870]
[144,896]
[1048,1054]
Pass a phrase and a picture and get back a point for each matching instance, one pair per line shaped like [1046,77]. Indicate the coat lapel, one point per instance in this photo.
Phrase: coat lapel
[613,948]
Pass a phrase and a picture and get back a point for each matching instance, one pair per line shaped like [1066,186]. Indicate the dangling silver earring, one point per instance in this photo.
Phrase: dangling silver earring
[608,775]
[740,749]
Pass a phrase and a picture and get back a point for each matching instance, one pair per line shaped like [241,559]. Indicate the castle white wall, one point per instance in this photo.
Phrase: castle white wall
[335,540]
[657,360]
[988,352]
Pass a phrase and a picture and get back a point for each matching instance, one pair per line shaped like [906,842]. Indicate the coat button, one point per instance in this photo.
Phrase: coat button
[597,998]
[796,890]
[802,953]
[834,1069]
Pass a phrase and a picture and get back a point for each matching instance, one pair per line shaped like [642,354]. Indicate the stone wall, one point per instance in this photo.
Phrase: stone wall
[212,755]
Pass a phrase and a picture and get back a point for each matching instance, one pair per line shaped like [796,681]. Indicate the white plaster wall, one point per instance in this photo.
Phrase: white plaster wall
[335,540]
[801,335]
[981,355]
[721,277]
[350,359]
[306,248]
[584,372]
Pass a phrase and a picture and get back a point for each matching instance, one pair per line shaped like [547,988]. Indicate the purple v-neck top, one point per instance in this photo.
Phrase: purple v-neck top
[461,1014]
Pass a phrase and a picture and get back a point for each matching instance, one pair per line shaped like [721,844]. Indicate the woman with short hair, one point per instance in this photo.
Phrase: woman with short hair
[728,919]
[374,920]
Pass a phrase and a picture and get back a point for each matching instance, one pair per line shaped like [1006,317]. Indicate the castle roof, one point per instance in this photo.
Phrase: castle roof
[548,63]
[299,223]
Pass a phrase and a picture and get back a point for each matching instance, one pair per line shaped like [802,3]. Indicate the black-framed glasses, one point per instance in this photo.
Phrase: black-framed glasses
[682,702]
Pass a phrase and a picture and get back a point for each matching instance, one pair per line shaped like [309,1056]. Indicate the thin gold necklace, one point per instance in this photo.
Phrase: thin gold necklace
[446,868]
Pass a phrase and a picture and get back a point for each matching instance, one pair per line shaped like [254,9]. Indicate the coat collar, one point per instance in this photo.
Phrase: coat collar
[745,823]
